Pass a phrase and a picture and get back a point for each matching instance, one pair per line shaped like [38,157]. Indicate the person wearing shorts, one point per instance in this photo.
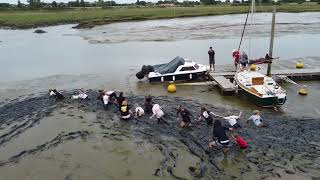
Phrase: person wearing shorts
[220,137]
[211,54]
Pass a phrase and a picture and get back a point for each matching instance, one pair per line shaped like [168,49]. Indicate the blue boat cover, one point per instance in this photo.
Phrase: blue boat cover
[169,67]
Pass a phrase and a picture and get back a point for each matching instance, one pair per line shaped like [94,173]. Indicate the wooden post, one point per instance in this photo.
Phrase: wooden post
[271,39]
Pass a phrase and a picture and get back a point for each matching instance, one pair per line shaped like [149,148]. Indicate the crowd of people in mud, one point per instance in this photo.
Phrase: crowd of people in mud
[224,127]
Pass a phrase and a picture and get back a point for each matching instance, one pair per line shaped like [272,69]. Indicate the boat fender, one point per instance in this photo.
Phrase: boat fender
[303,90]
[172,88]
[140,75]
[299,65]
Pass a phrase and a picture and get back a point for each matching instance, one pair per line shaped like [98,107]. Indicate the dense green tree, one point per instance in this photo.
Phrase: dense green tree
[54,4]
[207,2]
[82,4]
[19,4]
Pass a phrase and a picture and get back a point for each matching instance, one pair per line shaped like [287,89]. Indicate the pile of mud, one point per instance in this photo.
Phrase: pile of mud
[288,146]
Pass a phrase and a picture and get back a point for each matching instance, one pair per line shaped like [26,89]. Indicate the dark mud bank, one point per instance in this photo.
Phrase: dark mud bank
[289,144]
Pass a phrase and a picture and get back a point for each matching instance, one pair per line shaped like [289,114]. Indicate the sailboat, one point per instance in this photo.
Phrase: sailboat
[258,87]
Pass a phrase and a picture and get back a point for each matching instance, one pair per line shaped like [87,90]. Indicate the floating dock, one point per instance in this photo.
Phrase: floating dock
[224,79]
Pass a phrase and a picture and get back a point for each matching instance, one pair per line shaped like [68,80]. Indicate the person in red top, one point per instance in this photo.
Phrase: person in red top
[236,58]
[240,142]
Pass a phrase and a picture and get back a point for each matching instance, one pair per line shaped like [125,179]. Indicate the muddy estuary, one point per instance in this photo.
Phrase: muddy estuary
[70,140]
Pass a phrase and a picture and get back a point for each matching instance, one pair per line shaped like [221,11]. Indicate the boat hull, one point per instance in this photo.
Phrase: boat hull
[177,77]
[263,102]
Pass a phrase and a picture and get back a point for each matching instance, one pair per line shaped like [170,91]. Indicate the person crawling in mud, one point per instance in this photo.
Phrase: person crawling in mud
[56,94]
[220,137]
[125,112]
[207,115]
[138,111]
[241,143]
[120,99]
[157,111]
[231,120]
[106,97]
[81,94]
[148,104]
[256,119]
[185,117]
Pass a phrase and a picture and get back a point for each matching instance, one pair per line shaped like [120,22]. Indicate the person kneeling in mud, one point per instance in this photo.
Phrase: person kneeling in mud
[125,112]
[148,104]
[241,143]
[207,115]
[120,99]
[185,117]
[81,94]
[157,111]
[138,111]
[220,137]
[56,94]
[256,119]
[231,119]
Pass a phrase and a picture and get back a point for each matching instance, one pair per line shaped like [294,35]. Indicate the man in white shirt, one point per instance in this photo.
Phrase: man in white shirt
[231,119]
[256,119]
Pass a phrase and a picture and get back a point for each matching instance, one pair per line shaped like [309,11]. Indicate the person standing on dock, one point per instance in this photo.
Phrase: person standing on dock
[211,54]
[244,60]
[236,58]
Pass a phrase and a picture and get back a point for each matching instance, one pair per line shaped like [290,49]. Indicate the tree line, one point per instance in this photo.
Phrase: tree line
[37,4]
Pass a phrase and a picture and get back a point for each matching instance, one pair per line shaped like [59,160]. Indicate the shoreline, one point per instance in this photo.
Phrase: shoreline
[89,18]
[289,144]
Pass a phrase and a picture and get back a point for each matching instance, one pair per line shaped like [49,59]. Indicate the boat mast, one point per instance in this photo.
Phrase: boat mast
[271,39]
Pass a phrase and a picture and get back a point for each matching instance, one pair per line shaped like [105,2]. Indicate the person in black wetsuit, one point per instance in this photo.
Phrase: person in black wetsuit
[148,104]
[220,137]
[185,117]
[207,115]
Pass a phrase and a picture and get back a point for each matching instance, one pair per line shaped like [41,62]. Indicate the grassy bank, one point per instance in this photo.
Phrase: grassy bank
[87,18]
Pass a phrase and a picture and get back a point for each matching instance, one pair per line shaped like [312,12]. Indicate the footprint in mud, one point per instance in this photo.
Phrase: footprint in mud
[71,115]
[81,117]
[63,112]
[71,107]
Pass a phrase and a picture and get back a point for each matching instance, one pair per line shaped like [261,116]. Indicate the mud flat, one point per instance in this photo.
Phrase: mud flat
[77,139]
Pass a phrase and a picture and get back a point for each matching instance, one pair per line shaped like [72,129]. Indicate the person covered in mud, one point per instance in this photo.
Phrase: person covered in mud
[231,119]
[207,115]
[56,94]
[220,137]
[185,117]
[241,143]
[157,111]
[125,112]
[138,111]
[148,104]
[120,99]
[81,94]
[256,119]
[211,54]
